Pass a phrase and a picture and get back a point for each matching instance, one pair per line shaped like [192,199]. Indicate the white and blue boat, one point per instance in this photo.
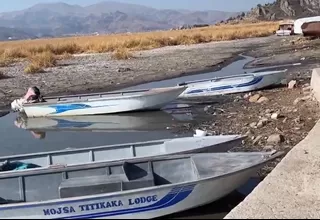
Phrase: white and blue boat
[144,188]
[99,103]
[232,84]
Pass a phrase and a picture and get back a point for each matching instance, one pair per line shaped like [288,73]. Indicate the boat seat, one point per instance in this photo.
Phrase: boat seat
[133,177]
[90,185]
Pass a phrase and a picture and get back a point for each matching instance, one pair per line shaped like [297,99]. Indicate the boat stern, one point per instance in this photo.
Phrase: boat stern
[17,105]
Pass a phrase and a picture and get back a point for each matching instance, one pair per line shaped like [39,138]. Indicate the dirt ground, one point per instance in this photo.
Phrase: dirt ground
[279,123]
[98,72]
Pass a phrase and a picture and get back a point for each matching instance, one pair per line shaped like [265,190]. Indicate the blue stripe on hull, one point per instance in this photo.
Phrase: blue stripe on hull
[67,107]
[61,108]
[256,80]
[175,196]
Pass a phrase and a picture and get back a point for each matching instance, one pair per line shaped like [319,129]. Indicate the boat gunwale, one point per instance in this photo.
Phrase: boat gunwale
[113,146]
[93,165]
[253,74]
[269,156]
[144,93]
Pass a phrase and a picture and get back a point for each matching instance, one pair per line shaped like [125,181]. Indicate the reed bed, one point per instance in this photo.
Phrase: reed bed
[122,45]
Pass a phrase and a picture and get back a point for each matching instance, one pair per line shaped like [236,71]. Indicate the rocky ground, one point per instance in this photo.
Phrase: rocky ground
[98,72]
[272,119]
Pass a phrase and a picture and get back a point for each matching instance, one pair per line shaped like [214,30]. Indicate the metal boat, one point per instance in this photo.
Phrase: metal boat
[232,84]
[219,143]
[132,189]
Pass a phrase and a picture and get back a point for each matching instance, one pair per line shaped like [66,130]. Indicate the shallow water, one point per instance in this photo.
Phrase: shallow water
[89,131]
[116,129]
[16,140]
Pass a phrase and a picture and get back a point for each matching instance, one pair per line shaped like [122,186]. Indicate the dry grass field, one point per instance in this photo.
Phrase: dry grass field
[43,53]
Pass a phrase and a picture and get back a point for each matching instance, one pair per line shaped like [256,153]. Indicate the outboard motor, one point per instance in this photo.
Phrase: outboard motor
[33,95]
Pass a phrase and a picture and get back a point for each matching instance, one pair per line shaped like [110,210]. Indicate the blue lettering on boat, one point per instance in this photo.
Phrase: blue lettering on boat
[100,205]
[59,211]
[143,200]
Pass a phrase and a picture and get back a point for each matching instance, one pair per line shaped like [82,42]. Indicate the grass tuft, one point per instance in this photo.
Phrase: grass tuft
[122,54]
[33,68]
[40,61]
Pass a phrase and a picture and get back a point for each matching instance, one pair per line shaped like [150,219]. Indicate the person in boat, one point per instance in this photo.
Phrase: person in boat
[33,95]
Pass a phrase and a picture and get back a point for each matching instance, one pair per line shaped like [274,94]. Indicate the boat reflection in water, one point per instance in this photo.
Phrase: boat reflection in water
[139,121]
[3,113]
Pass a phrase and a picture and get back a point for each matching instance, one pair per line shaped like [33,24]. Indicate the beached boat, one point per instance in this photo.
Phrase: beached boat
[99,103]
[146,121]
[232,84]
[182,145]
[311,29]
[133,189]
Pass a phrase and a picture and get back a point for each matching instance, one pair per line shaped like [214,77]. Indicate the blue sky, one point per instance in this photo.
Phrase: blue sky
[224,5]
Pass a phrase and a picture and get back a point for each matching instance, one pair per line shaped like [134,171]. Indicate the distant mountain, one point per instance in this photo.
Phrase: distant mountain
[14,34]
[56,19]
[284,9]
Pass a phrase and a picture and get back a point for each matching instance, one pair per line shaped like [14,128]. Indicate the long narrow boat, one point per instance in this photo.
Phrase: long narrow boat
[210,144]
[100,103]
[133,189]
[232,84]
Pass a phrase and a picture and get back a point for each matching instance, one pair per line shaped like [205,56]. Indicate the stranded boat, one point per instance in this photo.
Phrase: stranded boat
[33,105]
[232,84]
[219,143]
[133,189]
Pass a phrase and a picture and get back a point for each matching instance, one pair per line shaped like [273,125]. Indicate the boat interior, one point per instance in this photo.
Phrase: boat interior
[98,96]
[115,177]
[123,151]
[90,96]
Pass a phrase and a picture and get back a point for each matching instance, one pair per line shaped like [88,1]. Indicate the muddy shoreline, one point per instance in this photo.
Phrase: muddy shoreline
[98,72]
[5,101]
[232,114]
[7,98]
[177,74]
